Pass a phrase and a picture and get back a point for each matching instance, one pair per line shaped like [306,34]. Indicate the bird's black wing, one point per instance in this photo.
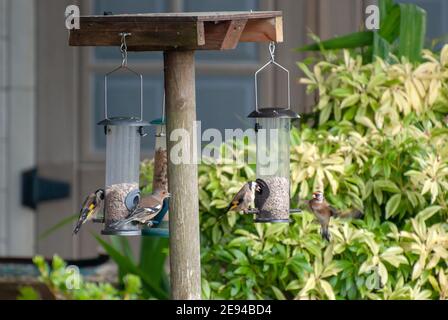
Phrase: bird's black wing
[138,214]
[334,212]
[237,199]
[88,205]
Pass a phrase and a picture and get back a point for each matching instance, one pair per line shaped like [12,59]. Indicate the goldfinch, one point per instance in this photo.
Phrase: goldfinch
[244,199]
[92,205]
[323,212]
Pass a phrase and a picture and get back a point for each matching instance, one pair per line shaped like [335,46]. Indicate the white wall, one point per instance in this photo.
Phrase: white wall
[3,125]
[17,123]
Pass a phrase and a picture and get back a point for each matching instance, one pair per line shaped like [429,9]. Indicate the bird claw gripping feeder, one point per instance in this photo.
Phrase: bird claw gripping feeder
[272,127]
[160,178]
[123,135]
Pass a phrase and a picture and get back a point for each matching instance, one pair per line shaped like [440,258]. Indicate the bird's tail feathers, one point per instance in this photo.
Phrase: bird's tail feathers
[82,218]
[77,227]
[325,233]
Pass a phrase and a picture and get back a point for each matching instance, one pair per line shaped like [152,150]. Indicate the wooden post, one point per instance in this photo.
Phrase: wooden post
[185,265]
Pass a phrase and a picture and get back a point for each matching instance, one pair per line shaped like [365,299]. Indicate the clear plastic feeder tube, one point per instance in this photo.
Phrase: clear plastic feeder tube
[160,180]
[122,173]
[273,143]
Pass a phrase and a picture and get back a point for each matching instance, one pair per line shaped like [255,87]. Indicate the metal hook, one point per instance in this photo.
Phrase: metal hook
[163,108]
[163,124]
[124,65]
[124,48]
[272,50]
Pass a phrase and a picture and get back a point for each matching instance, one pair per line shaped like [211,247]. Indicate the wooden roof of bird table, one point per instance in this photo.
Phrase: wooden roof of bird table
[177,31]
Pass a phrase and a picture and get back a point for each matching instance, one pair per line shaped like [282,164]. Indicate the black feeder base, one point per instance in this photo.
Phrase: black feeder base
[114,232]
[268,220]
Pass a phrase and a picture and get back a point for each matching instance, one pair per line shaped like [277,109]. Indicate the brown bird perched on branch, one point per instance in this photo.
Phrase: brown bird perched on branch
[91,206]
[323,212]
[244,199]
[148,207]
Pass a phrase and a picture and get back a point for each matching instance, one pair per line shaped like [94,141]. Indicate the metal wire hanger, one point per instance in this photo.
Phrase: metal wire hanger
[124,66]
[162,133]
[271,61]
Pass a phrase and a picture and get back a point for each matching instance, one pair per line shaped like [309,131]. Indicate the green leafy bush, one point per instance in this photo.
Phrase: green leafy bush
[381,144]
[65,283]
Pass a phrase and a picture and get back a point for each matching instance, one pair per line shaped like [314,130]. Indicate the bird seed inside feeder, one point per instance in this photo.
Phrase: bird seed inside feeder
[115,201]
[160,180]
[276,205]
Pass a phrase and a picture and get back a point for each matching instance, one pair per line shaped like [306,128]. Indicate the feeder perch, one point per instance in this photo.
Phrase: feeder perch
[273,126]
[123,135]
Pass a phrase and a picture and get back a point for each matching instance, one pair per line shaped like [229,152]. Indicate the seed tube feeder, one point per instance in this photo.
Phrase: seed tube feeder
[160,179]
[123,135]
[272,128]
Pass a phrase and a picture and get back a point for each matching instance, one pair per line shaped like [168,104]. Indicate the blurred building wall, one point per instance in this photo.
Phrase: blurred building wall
[17,123]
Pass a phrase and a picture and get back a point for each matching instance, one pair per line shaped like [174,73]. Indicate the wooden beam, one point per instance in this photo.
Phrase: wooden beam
[201,33]
[179,31]
[221,35]
[163,34]
[233,34]
[185,265]
[263,30]
[181,17]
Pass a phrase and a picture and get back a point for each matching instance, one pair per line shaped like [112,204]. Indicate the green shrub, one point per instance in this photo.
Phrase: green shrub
[381,145]
[65,283]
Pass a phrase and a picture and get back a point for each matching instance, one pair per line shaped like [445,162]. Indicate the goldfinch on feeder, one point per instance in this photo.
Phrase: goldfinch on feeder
[323,212]
[91,206]
[244,199]
[147,209]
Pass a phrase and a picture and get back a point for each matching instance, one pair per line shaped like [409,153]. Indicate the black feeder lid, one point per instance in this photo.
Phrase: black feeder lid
[124,121]
[273,113]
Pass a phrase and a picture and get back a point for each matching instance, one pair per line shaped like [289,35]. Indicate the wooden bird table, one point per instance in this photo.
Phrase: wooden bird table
[178,35]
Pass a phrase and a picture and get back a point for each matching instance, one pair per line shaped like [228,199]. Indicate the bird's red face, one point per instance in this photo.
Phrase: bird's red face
[161,193]
[165,194]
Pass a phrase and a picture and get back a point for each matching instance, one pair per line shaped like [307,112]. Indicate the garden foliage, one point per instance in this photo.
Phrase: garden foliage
[65,284]
[380,145]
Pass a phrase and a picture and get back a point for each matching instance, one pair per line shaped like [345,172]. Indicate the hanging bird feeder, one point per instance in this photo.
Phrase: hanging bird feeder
[123,135]
[272,126]
[160,178]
